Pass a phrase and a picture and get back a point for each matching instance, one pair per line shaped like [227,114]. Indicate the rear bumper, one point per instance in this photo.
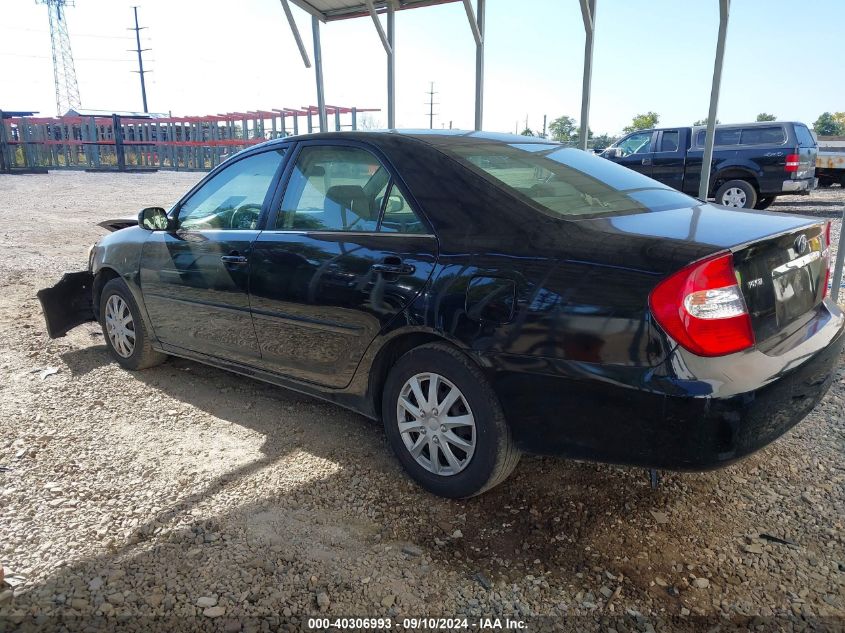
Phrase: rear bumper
[677,421]
[799,186]
[67,304]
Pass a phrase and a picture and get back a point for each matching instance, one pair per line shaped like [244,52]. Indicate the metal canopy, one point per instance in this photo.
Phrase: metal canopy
[330,10]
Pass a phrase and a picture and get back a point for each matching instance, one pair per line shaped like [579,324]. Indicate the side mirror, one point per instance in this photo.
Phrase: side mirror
[395,204]
[613,152]
[153,219]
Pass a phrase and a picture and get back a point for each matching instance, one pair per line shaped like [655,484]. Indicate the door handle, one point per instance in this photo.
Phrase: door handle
[233,258]
[646,161]
[393,268]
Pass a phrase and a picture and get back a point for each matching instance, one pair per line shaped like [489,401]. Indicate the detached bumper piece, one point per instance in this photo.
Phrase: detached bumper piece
[67,304]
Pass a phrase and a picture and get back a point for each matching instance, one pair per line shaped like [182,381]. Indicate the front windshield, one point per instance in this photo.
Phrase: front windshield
[567,182]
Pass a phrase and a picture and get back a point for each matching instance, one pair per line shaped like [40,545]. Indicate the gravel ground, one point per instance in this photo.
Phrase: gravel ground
[212,501]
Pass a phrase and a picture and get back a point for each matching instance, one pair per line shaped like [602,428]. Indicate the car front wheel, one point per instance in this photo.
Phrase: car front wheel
[445,423]
[123,328]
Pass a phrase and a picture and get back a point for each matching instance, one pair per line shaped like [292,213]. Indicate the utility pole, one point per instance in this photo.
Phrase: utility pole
[140,50]
[431,105]
[544,126]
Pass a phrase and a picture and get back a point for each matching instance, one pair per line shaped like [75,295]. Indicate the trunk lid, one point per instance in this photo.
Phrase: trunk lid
[783,278]
[781,260]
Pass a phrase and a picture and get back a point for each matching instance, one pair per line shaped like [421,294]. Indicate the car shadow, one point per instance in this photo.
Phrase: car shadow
[553,518]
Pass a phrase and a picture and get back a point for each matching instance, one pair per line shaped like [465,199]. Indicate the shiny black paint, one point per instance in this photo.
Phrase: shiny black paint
[318,298]
[555,312]
[195,300]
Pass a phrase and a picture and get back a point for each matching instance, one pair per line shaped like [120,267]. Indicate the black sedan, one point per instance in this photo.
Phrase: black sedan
[484,295]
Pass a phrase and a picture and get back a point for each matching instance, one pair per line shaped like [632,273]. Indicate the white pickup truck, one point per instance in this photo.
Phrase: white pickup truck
[830,161]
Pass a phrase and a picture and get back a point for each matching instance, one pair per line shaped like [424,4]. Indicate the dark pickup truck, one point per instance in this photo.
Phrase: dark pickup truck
[753,163]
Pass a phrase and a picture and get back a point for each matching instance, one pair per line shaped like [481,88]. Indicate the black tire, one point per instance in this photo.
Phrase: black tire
[494,456]
[747,189]
[826,181]
[764,203]
[142,354]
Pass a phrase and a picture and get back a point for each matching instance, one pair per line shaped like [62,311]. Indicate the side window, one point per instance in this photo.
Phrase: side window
[670,141]
[333,188]
[769,135]
[723,137]
[639,143]
[233,198]
[398,216]
[805,139]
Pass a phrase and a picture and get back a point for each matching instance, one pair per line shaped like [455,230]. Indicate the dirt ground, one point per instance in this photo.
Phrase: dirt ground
[188,496]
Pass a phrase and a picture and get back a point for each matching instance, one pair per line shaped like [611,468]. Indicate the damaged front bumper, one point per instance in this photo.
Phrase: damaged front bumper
[69,303]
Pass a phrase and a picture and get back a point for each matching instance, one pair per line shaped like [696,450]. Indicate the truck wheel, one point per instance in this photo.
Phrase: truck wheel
[825,181]
[445,423]
[738,194]
[764,203]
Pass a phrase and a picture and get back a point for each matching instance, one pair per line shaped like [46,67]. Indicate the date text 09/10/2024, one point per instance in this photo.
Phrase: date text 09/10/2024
[417,623]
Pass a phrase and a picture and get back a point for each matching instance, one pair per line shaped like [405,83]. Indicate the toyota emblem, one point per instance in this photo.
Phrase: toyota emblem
[801,244]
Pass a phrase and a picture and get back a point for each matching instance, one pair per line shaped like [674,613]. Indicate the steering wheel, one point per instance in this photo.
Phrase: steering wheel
[245,217]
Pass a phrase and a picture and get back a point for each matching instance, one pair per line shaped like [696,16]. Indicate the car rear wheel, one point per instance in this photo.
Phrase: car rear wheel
[123,328]
[738,194]
[445,423]
[764,203]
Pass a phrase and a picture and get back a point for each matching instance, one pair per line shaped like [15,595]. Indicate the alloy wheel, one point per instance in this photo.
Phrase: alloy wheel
[436,424]
[120,326]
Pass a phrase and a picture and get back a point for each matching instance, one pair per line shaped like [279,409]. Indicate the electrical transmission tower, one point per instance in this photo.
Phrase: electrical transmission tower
[64,72]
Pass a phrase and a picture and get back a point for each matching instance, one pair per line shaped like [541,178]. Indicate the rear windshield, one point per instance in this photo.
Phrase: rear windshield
[567,182]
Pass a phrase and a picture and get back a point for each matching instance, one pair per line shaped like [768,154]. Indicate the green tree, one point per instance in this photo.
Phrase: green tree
[827,125]
[603,141]
[839,117]
[765,116]
[576,135]
[704,121]
[527,132]
[643,122]
[562,128]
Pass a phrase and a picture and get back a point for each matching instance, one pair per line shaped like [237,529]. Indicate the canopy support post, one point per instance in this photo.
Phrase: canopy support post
[476,23]
[318,71]
[391,67]
[707,159]
[388,42]
[588,13]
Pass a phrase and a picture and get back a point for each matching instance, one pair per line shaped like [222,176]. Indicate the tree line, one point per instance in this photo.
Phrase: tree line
[566,129]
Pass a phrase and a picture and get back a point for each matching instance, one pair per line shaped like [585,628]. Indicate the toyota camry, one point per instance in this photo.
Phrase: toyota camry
[483,295]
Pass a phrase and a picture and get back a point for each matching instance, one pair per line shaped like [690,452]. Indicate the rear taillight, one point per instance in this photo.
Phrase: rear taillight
[702,308]
[792,162]
[826,257]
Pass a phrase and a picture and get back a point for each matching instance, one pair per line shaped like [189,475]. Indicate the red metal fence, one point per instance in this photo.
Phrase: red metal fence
[123,143]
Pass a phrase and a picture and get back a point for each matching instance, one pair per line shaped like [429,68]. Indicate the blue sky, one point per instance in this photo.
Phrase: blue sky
[215,56]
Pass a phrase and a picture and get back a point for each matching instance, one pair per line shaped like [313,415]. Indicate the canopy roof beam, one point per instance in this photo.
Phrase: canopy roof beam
[296,36]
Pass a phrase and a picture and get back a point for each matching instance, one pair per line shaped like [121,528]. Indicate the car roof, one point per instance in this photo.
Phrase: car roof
[440,138]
